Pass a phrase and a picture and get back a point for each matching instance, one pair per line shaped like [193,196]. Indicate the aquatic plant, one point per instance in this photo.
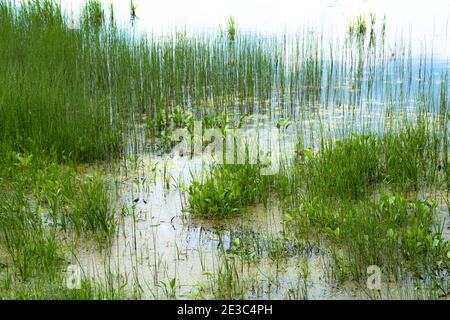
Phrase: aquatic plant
[227,189]
[371,121]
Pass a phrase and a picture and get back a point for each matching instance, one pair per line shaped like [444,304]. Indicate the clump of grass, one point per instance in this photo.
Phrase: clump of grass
[93,14]
[358,27]
[347,168]
[43,288]
[226,190]
[42,204]
[227,281]
[408,160]
[64,198]
[92,212]
[45,104]
[334,194]
[392,233]
[412,158]
[32,248]
[444,111]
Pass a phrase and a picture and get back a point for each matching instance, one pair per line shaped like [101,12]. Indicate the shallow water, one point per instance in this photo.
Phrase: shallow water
[158,241]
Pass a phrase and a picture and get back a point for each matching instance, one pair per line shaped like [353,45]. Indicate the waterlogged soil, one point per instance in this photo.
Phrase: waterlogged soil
[157,240]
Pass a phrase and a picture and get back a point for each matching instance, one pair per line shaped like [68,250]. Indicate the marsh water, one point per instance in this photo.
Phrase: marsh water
[158,241]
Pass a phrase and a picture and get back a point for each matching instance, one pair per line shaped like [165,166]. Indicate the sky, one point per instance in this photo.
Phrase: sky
[426,21]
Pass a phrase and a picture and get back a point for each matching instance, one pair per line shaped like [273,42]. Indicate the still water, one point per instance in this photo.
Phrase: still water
[157,242]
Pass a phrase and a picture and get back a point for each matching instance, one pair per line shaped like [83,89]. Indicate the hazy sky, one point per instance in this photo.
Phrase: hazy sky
[425,20]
